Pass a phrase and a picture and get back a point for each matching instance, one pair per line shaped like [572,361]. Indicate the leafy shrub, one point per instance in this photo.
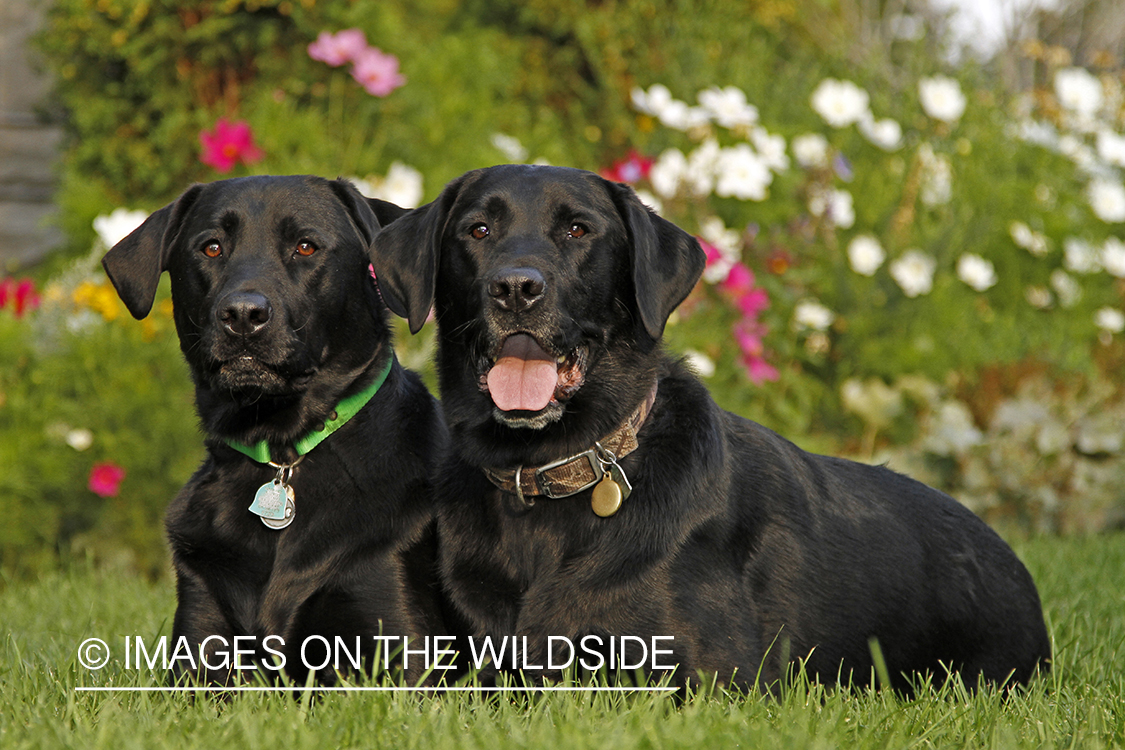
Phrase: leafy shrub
[84,384]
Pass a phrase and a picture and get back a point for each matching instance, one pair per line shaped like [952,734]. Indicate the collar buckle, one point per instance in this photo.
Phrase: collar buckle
[547,487]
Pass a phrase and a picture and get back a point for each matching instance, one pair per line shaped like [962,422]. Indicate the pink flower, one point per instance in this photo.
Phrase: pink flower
[105,479]
[759,371]
[752,302]
[7,291]
[339,48]
[21,295]
[228,143]
[739,281]
[748,333]
[712,253]
[633,168]
[377,72]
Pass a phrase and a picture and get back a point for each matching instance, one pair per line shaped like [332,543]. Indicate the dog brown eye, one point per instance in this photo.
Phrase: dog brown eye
[306,248]
[212,249]
[576,231]
[479,231]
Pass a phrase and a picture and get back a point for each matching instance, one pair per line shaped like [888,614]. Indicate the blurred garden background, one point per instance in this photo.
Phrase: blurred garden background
[916,250]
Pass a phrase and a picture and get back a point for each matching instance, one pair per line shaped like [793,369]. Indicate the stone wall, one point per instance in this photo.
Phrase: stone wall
[28,144]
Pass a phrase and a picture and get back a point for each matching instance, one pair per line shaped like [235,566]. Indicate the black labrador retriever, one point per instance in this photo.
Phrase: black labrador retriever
[308,530]
[597,498]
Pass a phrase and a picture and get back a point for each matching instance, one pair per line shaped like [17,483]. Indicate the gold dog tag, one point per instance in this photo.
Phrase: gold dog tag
[606,499]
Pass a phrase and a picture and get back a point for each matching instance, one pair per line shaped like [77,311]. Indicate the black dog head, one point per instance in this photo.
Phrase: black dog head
[275,309]
[552,287]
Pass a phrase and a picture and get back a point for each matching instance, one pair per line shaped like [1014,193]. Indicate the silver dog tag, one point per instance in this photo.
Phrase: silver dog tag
[275,502]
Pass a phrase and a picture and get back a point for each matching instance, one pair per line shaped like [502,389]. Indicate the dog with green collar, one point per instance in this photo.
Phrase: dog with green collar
[309,523]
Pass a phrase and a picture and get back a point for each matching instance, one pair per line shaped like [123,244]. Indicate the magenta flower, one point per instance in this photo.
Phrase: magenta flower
[739,281]
[227,144]
[759,370]
[339,48]
[712,254]
[753,302]
[21,295]
[633,168]
[105,479]
[748,333]
[377,72]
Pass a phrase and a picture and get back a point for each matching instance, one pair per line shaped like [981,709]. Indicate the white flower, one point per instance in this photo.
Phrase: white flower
[703,365]
[726,241]
[840,103]
[1039,133]
[1113,257]
[118,225]
[914,272]
[836,205]
[811,150]
[865,255]
[1107,198]
[679,116]
[811,315]
[510,146]
[977,272]
[1078,91]
[1080,256]
[875,402]
[1039,297]
[702,165]
[652,102]
[952,430]
[771,148]
[1110,319]
[885,133]
[742,174]
[937,177]
[402,186]
[941,98]
[668,172]
[715,232]
[1066,288]
[80,439]
[1076,149]
[1027,238]
[365,188]
[728,106]
[1111,147]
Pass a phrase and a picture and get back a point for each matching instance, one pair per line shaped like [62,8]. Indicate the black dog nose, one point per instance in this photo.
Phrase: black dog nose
[245,313]
[516,289]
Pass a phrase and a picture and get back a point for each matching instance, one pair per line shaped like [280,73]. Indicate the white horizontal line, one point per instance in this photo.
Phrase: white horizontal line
[344,689]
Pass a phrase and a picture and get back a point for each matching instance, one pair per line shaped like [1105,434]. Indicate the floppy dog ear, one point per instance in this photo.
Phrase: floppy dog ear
[369,214]
[405,257]
[667,261]
[135,263]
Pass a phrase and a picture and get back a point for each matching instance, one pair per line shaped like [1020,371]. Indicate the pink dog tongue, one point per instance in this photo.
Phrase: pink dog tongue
[524,377]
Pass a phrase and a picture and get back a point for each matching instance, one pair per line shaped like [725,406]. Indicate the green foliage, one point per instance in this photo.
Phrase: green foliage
[121,394]
[141,79]
[1079,704]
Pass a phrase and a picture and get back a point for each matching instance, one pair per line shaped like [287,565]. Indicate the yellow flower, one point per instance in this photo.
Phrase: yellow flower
[101,298]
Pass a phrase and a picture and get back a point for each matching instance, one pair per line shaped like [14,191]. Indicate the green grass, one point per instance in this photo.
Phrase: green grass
[1081,704]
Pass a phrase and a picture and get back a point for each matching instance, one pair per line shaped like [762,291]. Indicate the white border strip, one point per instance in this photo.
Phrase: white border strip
[346,689]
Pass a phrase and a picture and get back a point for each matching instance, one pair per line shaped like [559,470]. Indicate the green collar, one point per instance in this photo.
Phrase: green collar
[345,410]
